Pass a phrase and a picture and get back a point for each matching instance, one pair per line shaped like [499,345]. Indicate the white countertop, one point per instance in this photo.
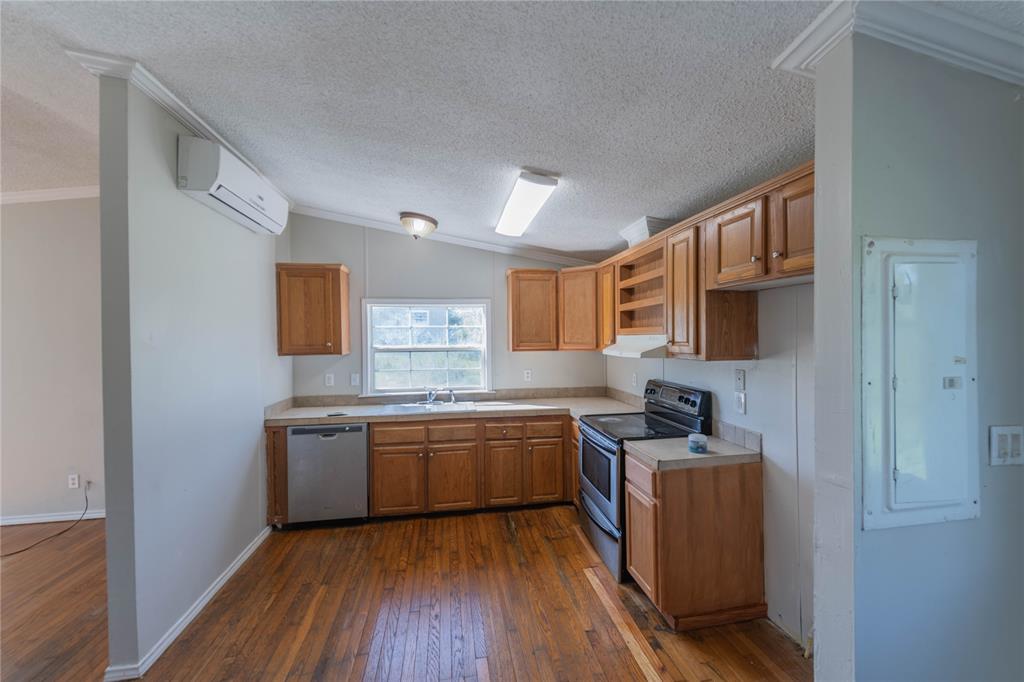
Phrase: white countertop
[674,453]
[299,416]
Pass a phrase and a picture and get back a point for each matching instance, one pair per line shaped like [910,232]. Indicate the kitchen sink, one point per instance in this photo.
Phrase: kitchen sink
[428,408]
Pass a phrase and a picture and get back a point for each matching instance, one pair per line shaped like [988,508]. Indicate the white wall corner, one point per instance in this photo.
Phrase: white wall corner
[101,64]
[925,27]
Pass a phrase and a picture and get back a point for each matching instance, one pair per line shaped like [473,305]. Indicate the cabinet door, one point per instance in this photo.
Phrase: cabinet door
[399,474]
[503,472]
[682,263]
[451,476]
[606,305]
[577,310]
[544,457]
[792,233]
[736,244]
[533,309]
[642,540]
[312,309]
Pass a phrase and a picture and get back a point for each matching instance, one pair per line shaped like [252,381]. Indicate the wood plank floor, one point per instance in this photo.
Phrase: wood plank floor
[491,596]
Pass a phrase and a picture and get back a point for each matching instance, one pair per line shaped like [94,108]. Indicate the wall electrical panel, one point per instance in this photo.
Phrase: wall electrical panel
[919,382]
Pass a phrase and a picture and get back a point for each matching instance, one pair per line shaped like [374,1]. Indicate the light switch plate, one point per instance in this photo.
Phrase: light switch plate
[740,399]
[1006,445]
[741,380]
[328,379]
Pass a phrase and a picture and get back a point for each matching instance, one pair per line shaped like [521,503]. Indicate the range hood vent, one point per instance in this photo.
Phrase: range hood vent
[639,346]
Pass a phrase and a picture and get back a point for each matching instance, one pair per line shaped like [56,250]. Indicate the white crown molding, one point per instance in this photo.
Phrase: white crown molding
[100,64]
[55,194]
[533,253]
[133,671]
[924,27]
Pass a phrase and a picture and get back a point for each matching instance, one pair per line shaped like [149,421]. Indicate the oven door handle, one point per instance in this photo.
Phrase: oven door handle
[597,517]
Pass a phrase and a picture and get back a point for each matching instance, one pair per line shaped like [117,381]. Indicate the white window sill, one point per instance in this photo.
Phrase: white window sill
[479,392]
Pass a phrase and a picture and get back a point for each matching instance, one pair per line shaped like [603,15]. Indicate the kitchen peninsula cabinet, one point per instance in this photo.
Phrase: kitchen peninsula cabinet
[312,309]
[694,541]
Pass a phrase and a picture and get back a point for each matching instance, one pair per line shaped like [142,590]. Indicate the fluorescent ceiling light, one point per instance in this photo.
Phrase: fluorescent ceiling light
[528,195]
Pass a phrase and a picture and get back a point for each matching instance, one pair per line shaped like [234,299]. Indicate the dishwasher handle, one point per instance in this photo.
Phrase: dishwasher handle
[326,432]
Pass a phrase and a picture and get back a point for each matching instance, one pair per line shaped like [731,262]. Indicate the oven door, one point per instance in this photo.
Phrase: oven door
[601,475]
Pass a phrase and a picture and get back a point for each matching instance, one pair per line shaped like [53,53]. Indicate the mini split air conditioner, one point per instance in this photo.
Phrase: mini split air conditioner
[211,174]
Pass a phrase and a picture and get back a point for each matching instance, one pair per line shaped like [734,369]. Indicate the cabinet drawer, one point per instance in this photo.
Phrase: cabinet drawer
[641,477]
[450,432]
[386,435]
[502,431]
[544,429]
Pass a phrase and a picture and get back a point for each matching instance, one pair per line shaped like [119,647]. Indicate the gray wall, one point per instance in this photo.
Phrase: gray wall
[189,338]
[780,407]
[52,407]
[938,152]
[389,265]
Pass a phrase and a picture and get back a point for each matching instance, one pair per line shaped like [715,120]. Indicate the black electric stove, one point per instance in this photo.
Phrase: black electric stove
[670,411]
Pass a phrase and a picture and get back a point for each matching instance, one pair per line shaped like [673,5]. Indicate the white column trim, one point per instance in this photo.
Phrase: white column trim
[925,27]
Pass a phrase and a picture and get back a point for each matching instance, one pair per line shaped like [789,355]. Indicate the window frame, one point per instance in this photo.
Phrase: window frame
[370,389]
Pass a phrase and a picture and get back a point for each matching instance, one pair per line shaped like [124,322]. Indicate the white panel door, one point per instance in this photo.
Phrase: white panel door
[930,355]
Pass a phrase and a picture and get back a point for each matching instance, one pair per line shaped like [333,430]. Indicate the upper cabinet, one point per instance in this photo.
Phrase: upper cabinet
[792,222]
[769,236]
[683,284]
[606,305]
[640,284]
[312,309]
[532,309]
[577,309]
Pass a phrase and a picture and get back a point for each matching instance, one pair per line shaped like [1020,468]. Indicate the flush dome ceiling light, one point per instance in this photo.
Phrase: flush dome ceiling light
[528,195]
[417,224]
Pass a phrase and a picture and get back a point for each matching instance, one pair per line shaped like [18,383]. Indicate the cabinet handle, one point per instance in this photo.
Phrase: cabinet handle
[328,344]
[420,455]
[529,449]
[754,259]
[776,254]
[504,432]
[431,454]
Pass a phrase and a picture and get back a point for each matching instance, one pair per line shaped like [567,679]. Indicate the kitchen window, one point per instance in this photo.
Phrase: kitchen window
[412,345]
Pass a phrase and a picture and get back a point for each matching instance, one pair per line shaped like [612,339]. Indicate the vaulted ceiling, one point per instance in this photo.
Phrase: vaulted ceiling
[368,109]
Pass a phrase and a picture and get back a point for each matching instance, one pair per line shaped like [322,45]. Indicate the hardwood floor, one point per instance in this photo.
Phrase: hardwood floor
[495,595]
[53,603]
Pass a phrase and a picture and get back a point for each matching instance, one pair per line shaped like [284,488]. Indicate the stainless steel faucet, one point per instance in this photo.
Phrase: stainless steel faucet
[451,395]
[432,394]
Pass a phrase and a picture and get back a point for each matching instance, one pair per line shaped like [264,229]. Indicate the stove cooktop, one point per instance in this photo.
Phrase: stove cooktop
[633,426]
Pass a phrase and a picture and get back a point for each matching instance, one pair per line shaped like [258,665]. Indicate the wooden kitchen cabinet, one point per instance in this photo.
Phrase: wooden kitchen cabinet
[543,469]
[735,244]
[791,248]
[577,309]
[694,541]
[640,285]
[642,540]
[606,306]
[683,286]
[532,309]
[399,479]
[452,476]
[574,464]
[312,309]
[503,472]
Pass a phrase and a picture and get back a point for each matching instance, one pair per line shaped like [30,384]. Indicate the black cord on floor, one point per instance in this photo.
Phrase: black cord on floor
[50,537]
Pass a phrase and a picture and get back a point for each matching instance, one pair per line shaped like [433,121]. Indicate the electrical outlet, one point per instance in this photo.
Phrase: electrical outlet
[328,379]
[355,379]
[740,399]
[634,378]
[1006,445]
[73,481]
[527,375]
[741,380]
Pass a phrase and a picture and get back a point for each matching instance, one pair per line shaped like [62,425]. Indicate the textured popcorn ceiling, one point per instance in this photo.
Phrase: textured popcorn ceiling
[369,109]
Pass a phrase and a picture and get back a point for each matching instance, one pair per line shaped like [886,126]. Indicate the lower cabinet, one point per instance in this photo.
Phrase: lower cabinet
[694,541]
[398,479]
[544,458]
[503,472]
[642,540]
[452,477]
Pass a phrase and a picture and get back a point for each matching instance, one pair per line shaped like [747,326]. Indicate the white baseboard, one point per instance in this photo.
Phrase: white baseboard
[135,671]
[50,518]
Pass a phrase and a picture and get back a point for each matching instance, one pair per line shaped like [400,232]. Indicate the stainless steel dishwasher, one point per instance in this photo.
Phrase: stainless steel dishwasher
[327,472]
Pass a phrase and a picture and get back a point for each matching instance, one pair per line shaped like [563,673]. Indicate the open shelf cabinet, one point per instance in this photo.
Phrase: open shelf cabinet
[640,291]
